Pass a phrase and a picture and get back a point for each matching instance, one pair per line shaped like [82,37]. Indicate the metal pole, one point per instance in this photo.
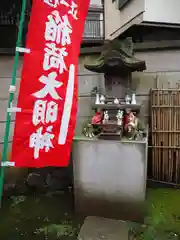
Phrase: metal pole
[11,98]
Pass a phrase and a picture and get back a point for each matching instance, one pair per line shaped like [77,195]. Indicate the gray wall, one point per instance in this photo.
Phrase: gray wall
[87,81]
[6,66]
[163,71]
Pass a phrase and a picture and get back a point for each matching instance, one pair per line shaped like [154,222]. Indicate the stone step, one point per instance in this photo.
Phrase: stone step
[96,228]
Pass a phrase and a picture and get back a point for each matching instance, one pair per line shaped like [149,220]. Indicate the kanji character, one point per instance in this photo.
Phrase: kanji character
[44,112]
[63,2]
[50,86]
[39,112]
[52,112]
[73,11]
[54,57]
[58,29]
[52,3]
[40,141]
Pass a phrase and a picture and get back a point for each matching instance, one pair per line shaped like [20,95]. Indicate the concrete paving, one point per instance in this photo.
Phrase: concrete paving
[96,228]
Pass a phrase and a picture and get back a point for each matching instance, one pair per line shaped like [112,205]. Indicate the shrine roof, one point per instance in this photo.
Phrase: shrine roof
[116,57]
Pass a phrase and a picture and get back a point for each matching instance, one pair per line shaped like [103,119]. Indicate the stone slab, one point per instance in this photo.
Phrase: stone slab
[96,228]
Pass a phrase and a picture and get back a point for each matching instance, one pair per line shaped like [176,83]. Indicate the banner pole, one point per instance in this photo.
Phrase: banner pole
[11,98]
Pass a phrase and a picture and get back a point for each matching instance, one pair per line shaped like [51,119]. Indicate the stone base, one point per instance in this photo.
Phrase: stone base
[110,178]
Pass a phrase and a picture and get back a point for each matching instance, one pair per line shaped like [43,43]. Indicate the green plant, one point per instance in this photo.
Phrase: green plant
[60,230]
[163,219]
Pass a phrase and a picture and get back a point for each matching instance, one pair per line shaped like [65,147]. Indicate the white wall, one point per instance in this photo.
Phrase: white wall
[138,11]
[117,21]
[164,11]
[95,3]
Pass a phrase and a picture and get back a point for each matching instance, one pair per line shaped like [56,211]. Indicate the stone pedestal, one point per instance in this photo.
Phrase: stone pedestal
[110,178]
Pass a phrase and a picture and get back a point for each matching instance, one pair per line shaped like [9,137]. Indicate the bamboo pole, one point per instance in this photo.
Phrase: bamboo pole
[164,139]
[11,98]
[176,96]
[177,139]
[171,140]
[160,133]
[153,133]
[166,165]
[156,150]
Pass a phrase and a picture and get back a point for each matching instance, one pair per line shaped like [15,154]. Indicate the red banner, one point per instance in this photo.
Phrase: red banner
[44,128]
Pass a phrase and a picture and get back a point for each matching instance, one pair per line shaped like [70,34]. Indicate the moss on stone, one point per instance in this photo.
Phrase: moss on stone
[116,55]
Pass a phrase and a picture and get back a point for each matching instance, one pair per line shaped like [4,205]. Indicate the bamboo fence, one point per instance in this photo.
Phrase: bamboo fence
[165,130]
